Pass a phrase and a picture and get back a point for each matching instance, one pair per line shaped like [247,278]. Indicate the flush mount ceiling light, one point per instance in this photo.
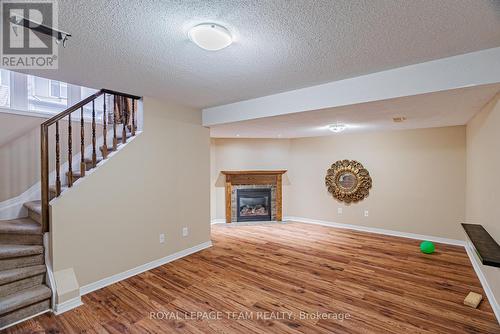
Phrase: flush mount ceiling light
[210,36]
[338,127]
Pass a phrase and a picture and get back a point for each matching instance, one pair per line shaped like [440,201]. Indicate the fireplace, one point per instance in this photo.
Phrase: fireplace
[253,195]
[253,204]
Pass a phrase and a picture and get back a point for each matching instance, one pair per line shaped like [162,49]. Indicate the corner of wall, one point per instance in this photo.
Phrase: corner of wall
[67,294]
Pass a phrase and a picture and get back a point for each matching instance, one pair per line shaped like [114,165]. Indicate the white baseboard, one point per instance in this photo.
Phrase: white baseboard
[67,305]
[217,221]
[477,265]
[22,320]
[142,268]
[378,231]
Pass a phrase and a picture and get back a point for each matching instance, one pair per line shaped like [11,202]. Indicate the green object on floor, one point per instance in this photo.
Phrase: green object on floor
[427,247]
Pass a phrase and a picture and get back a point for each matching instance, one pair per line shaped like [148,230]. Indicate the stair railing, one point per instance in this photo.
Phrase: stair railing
[66,115]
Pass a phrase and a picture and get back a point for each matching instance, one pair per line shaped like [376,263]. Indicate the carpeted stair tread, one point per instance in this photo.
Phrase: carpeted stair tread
[110,148]
[88,161]
[35,206]
[52,188]
[119,135]
[76,175]
[24,298]
[20,226]
[11,275]
[11,251]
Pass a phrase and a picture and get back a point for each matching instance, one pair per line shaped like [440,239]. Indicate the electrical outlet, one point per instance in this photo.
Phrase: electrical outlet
[162,238]
[185,232]
[339,211]
[366,213]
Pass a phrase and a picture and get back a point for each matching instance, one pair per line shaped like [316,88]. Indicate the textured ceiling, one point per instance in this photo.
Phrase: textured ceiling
[446,108]
[141,46]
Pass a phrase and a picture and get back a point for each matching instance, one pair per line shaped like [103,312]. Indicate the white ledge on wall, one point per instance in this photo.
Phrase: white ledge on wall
[28,113]
[40,114]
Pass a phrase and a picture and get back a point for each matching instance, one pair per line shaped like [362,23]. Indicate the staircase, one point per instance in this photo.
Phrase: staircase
[24,287]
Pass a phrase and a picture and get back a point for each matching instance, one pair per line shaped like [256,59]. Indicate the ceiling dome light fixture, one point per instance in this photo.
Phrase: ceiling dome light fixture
[337,127]
[210,36]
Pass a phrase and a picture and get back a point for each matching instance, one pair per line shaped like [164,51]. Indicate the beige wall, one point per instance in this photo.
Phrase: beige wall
[19,162]
[20,150]
[418,177]
[483,184]
[159,183]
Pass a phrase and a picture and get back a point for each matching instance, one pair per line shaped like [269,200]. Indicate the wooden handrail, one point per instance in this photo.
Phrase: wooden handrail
[44,144]
[83,102]
[71,109]
[113,92]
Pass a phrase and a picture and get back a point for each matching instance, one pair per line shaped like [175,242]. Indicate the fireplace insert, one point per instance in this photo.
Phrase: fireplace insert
[253,204]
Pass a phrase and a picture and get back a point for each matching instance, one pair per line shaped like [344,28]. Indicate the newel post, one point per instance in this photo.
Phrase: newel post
[44,180]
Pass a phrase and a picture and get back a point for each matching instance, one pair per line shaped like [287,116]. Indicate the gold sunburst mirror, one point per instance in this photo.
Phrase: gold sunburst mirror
[348,181]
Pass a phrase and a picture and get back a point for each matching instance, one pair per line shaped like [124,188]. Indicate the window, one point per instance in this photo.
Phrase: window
[98,103]
[4,88]
[58,89]
[41,95]
[46,95]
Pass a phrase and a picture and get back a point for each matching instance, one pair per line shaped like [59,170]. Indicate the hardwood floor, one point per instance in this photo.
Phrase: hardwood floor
[289,278]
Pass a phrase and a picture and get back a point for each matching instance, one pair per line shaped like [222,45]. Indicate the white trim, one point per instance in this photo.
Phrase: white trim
[28,113]
[217,221]
[13,207]
[43,115]
[378,231]
[476,264]
[142,268]
[67,305]
[24,319]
